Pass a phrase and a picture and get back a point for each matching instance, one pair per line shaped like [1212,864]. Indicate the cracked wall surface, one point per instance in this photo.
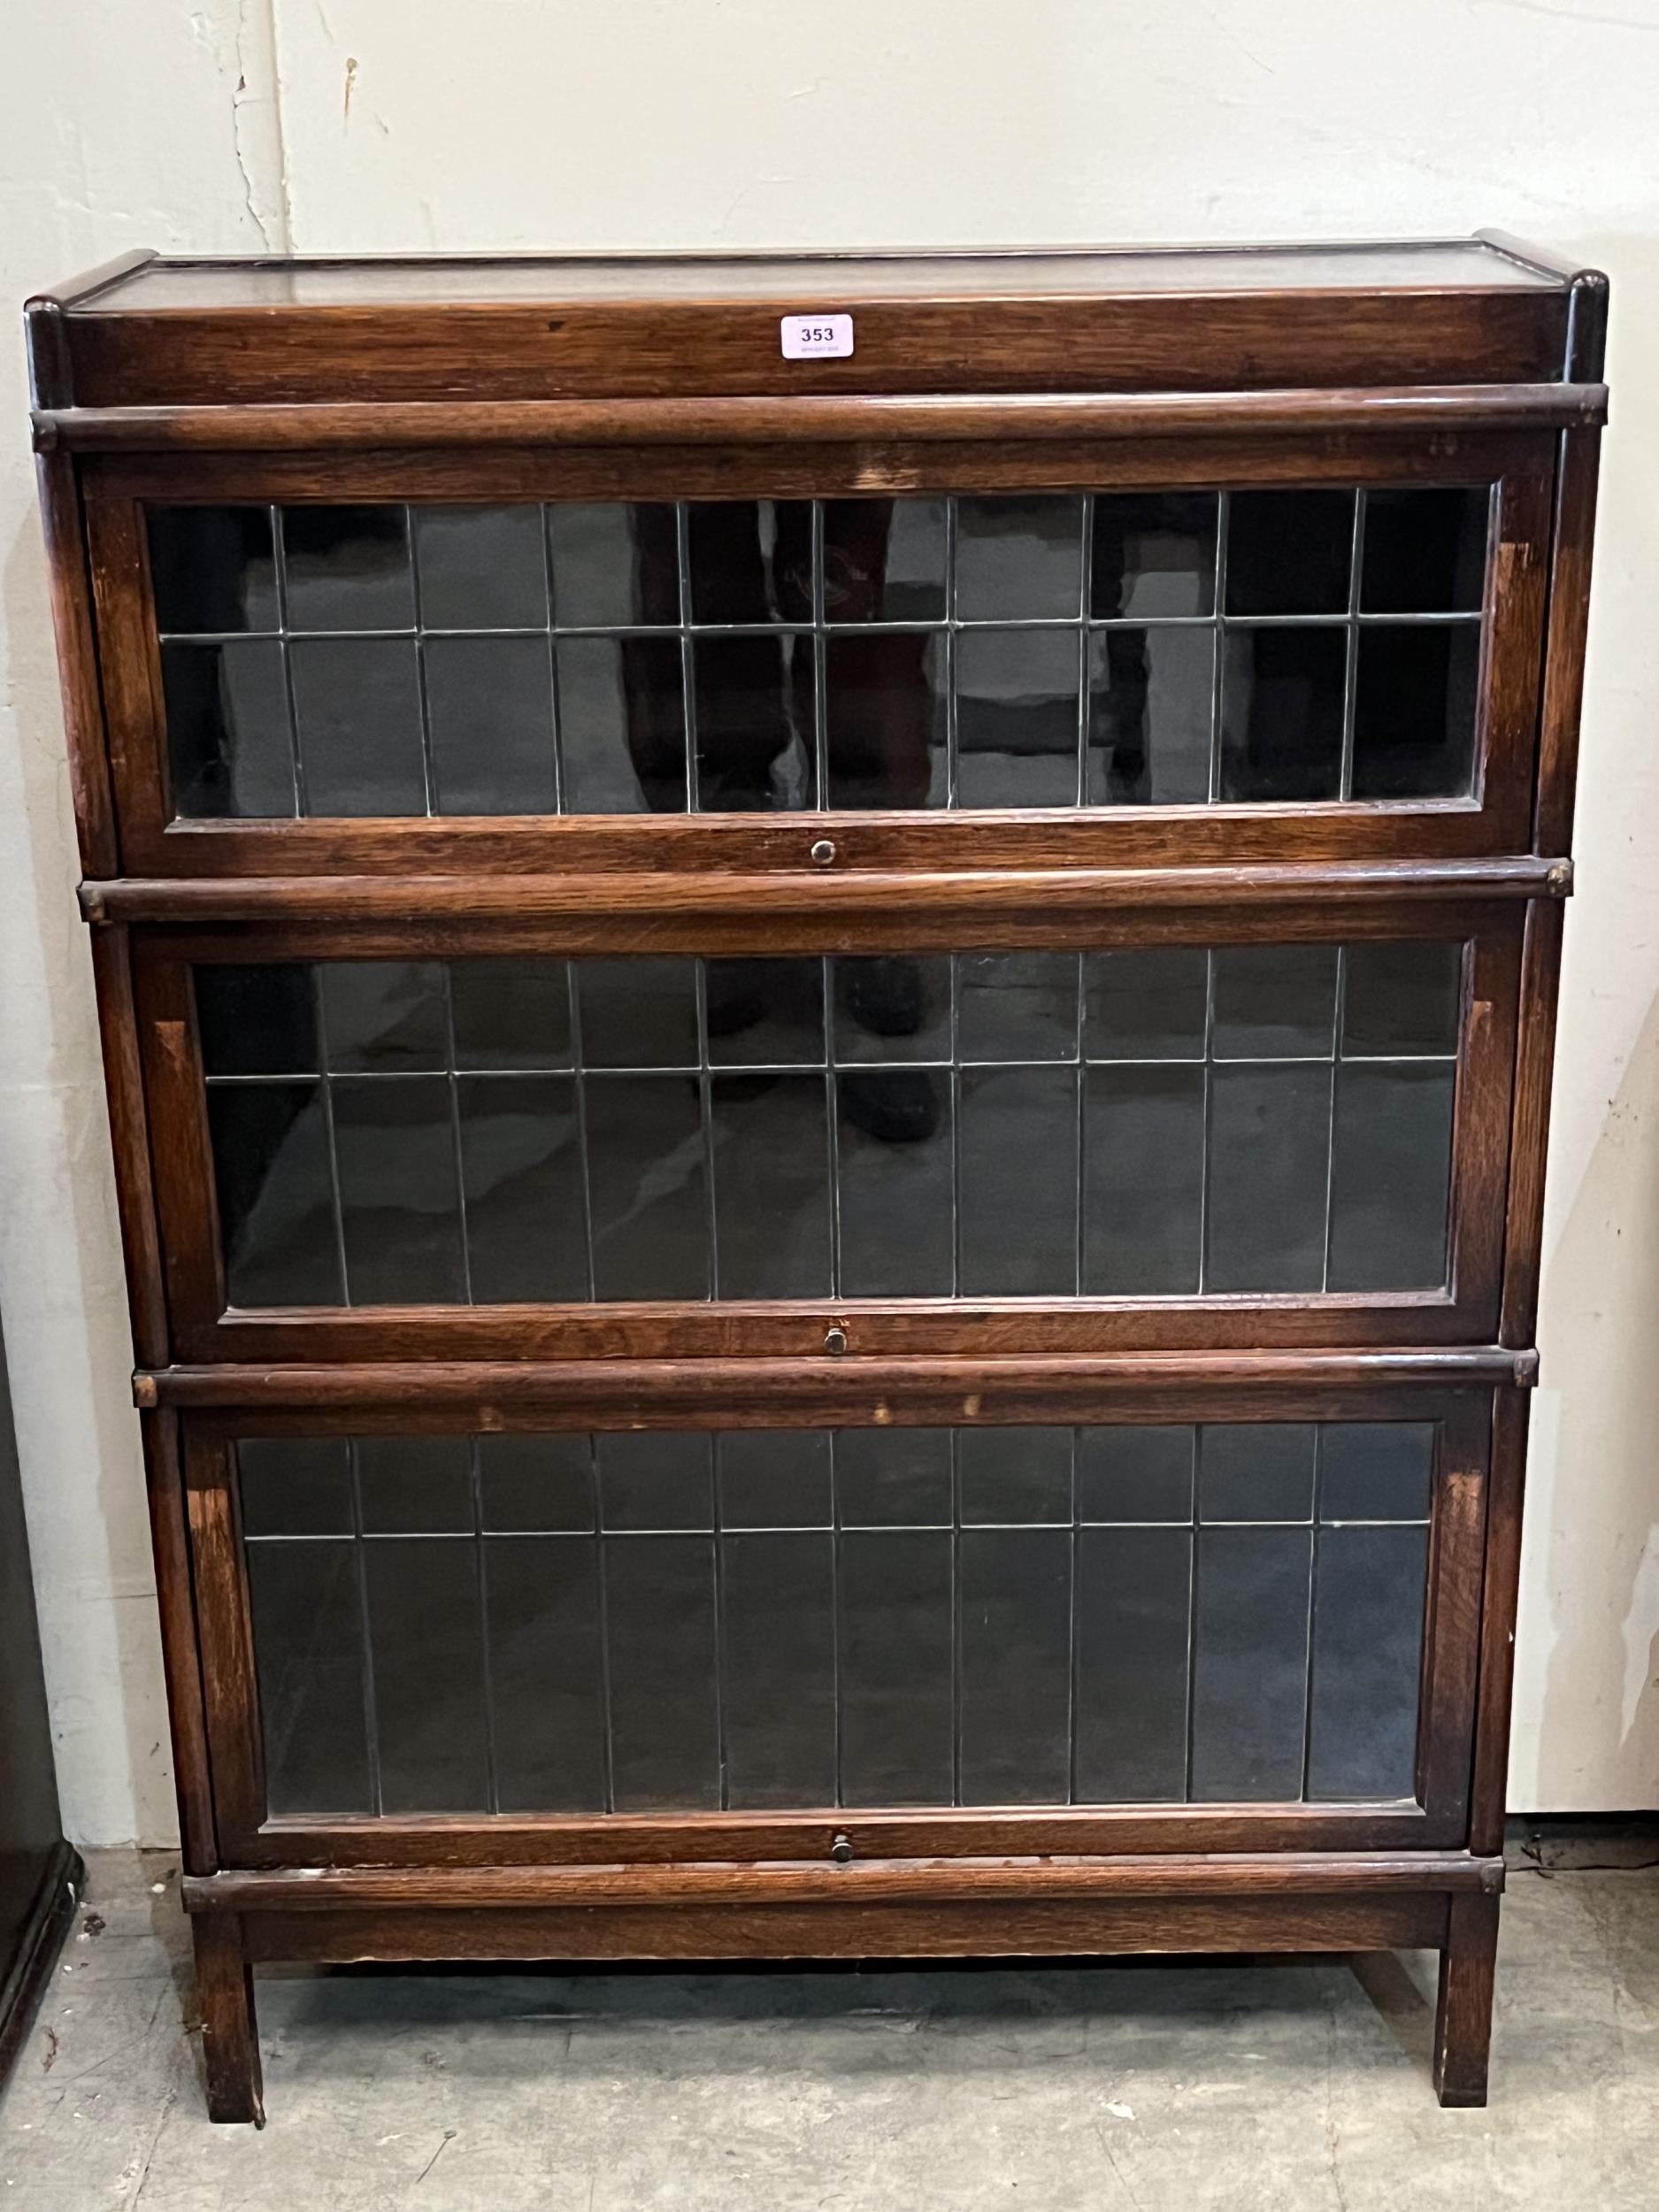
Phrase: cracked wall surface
[333,126]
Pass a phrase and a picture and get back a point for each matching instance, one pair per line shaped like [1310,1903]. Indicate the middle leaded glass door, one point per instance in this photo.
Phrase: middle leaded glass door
[558,1150]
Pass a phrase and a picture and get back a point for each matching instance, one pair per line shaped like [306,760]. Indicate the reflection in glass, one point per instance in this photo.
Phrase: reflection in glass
[939,1629]
[1281,713]
[211,569]
[481,568]
[1425,551]
[1414,711]
[1151,704]
[522,1186]
[356,701]
[1153,553]
[886,719]
[754,748]
[1016,718]
[622,725]
[1269,1137]
[613,566]
[1018,1171]
[1144,1188]
[1017,557]
[489,720]
[400,1220]
[232,749]
[348,568]
[884,560]
[270,1159]
[1390,1172]
[1289,552]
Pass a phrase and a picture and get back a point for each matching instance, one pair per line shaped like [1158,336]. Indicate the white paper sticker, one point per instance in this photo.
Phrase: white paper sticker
[817,337]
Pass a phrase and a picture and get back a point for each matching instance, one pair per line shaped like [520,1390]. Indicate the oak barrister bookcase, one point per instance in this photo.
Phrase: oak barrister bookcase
[827,988]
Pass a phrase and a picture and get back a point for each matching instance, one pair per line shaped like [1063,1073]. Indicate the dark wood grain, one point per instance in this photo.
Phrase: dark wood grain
[1462,2018]
[365,426]
[1200,1874]
[1499,1592]
[1571,548]
[230,2040]
[180,1649]
[129,1136]
[1529,1137]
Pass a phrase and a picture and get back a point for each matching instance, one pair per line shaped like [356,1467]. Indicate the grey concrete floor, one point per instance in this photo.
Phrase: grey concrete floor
[1299,2082]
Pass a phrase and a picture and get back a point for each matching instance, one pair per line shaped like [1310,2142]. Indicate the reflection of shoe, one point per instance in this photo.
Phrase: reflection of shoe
[897,1105]
[737,993]
[884,994]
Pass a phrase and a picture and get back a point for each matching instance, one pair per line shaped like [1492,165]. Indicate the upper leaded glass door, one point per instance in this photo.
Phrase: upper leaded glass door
[1340,662]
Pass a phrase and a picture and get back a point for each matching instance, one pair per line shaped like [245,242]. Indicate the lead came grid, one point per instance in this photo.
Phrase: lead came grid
[734,657]
[1133,1122]
[770,1618]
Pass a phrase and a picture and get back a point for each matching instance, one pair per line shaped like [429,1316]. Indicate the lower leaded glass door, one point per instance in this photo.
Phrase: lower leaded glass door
[1200,1619]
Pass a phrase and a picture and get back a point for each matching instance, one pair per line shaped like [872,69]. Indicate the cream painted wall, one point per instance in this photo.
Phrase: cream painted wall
[388,125]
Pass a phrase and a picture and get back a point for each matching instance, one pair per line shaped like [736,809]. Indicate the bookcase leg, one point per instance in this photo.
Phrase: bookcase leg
[230,2039]
[1463,2021]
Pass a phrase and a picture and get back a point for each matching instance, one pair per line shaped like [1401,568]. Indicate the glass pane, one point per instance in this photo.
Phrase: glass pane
[754,697]
[276,1213]
[895,1648]
[1016,1666]
[1425,551]
[892,1477]
[1268,1141]
[613,566]
[521,1170]
[308,1647]
[510,1014]
[662,1657]
[1016,718]
[535,1482]
[1281,713]
[622,725]
[1414,710]
[1376,1470]
[1404,998]
[1151,708]
[893,1164]
[256,1021]
[778,1666]
[1014,1474]
[358,704]
[1153,553]
[1367,1657]
[231,745]
[489,714]
[751,560]
[886,719]
[1146,1004]
[415,1486]
[765,1012]
[657,1479]
[1390,1175]
[1275,1002]
[348,568]
[546,1673]
[399,1206]
[884,560]
[648,1199]
[638,1013]
[1017,1161]
[1250,1664]
[893,1006]
[774,1479]
[772,1192]
[211,569]
[481,568]
[1133,1602]
[384,1017]
[1018,557]
[1255,1470]
[425,1629]
[1144,1181]
[294,1486]
[1289,552]
[1135,1474]
[1017,1005]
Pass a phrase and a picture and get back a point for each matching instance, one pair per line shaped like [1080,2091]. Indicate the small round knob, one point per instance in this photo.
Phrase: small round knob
[834,1339]
[824,852]
[841,1850]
